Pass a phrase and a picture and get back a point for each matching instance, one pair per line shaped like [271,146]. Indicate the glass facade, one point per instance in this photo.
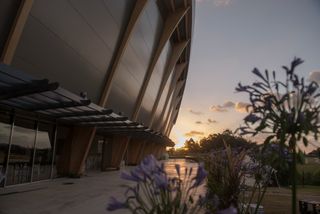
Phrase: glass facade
[5,129]
[94,159]
[26,150]
[43,152]
[21,153]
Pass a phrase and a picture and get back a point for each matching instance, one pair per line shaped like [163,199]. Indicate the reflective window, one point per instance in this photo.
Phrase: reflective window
[21,155]
[4,142]
[43,153]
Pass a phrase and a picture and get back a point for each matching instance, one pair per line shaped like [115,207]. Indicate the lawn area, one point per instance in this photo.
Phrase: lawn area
[278,200]
[309,167]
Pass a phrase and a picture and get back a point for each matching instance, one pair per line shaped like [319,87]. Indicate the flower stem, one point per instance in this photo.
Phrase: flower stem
[294,188]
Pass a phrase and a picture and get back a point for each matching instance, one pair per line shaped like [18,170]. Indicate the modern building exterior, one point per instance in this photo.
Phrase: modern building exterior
[86,85]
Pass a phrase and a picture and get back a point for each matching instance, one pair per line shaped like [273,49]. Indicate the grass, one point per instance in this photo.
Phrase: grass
[278,200]
[309,167]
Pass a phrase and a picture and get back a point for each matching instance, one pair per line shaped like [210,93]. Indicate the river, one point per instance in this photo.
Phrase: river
[169,166]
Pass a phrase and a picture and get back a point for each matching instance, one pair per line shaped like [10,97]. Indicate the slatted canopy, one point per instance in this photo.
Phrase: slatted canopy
[19,91]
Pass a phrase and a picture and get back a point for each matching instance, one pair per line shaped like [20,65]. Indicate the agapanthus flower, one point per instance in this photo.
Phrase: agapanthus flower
[114,204]
[161,181]
[230,210]
[155,190]
[200,177]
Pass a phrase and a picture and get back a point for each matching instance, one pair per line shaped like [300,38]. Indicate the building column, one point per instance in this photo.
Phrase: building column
[114,151]
[135,148]
[148,149]
[75,151]
[159,150]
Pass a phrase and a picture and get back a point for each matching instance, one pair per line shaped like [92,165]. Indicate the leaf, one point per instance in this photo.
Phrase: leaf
[305,141]
[274,75]
[286,69]
[268,139]
[296,61]
[267,74]
[257,72]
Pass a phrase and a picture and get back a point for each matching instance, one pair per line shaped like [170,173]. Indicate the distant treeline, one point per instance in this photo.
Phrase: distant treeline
[214,142]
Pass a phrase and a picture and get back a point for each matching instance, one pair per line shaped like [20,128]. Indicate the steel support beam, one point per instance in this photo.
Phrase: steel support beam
[137,11]
[174,102]
[175,55]
[179,68]
[170,25]
[16,31]
[173,99]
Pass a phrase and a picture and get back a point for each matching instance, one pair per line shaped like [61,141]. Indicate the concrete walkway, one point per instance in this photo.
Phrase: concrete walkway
[88,195]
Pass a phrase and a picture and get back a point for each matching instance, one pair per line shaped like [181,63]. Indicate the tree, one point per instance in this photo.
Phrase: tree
[192,146]
[215,142]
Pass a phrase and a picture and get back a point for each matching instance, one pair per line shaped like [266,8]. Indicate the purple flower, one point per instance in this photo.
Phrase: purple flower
[150,165]
[200,176]
[114,204]
[161,181]
[133,176]
[230,210]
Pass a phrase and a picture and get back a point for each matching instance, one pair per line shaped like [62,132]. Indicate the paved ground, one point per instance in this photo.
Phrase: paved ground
[88,195]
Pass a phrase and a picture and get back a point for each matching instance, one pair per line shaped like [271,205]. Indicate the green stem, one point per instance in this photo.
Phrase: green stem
[260,199]
[294,188]
[252,195]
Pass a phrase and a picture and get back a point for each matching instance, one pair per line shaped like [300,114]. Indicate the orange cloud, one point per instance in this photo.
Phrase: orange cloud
[193,133]
[222,108]
[241,107]
[195,112]
[218,108]
[212,121]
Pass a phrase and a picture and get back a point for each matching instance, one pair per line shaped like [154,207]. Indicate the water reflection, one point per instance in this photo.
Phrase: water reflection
[184,163]
[169,166]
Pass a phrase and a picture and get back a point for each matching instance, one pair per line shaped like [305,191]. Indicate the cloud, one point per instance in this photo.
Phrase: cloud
[228,104]
[195,112]
[217,3]
[241,107]
[222,108]
[315,76]
[221,3]
[193,133]
[211,121]
[218,108]
[198,122]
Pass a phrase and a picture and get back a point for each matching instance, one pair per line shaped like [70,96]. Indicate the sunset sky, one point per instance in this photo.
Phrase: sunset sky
[230,38]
